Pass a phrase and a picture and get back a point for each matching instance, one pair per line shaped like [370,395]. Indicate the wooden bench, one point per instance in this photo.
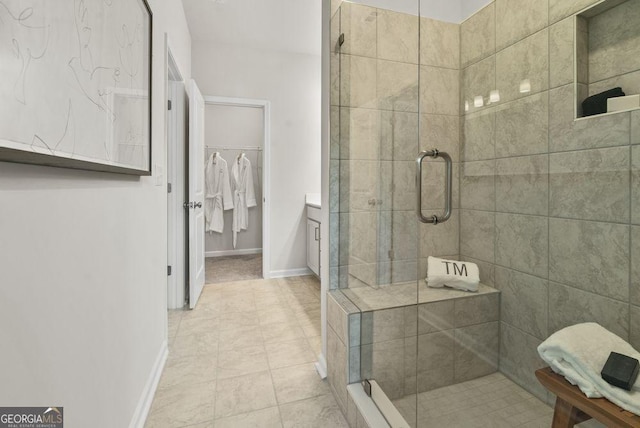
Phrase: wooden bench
[573,407]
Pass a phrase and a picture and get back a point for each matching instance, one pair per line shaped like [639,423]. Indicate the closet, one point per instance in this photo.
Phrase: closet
[234,135]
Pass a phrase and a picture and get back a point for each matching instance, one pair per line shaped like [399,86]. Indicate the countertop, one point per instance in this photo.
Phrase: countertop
[313,200]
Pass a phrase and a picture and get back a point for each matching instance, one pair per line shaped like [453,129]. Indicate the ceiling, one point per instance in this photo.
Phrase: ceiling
[281,25]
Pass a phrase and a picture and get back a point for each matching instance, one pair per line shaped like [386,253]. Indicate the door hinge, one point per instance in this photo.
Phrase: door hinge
[168,104]
[341,40]
[391,254]
[168,187]
[168,270]
[367,387]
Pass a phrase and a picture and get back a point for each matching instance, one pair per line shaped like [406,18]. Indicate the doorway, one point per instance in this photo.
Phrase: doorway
[237,130]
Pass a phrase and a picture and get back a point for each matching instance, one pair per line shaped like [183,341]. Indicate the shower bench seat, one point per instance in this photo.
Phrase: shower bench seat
[573,407]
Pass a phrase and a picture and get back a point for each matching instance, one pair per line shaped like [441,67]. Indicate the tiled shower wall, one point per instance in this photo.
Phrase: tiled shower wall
[549,205]
[377,112]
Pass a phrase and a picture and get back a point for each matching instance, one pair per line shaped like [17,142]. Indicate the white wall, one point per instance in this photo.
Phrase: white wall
[291,81]
[83,274]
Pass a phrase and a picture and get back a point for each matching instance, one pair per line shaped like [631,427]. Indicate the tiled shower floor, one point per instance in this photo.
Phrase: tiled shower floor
[490,401]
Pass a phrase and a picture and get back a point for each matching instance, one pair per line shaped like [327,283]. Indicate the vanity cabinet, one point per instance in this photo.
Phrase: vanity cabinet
[313,239]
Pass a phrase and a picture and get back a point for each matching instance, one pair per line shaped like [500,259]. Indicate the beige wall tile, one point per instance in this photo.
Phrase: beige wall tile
[524,301]
[435,367]
[439,91]
[522,243]
[629,82]
[590,184]
[590,256]
[477,185]
[440,132]
[519,358]
[561,46]
[559,9]
[358,24]
[566,134]
[439,43]
[399,140]
[478,80]
[387,365]
[518,19]
[477,309]
[477,235]
[614,42]
[634,286]
[397,36]
[527,60]
[635,127]
[568,306]
[360,133]
[436,316]
[441,239]
[477,36]
[476,351]
[479,134]
[397,87]
[582,49]
[487,270]
[635,184]
[358,81]
[522,185]
[337,366]
[634,331]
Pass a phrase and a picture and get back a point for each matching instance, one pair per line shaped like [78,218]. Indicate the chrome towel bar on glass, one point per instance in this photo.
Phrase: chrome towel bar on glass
[447,187]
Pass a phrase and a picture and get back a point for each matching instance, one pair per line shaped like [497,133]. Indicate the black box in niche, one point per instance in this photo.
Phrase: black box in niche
[620,370]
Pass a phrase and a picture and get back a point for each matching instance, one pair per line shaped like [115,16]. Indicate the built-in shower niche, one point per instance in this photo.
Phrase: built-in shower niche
[607,52]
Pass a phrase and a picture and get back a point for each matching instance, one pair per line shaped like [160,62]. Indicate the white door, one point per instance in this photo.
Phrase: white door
[195,204]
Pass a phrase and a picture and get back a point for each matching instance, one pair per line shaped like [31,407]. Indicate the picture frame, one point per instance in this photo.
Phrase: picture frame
[75,90]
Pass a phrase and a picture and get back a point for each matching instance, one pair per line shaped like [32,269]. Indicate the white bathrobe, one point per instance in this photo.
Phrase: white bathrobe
[244,196]
[217,195]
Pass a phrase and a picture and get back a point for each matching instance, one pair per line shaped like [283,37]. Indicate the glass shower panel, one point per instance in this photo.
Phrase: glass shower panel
[375,99]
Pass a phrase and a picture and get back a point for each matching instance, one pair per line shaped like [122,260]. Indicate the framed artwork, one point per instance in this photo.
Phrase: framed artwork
[75,84]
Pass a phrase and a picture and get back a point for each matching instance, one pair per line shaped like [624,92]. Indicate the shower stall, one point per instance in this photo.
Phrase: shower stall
[465,140]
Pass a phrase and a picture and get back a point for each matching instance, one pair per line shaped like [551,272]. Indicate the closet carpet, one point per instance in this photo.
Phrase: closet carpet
[233,268]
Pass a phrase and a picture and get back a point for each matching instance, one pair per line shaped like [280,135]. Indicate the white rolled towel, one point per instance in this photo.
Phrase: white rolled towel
[452,273]
[579,353]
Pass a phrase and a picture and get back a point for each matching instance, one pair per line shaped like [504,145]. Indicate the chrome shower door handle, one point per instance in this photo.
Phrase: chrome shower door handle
[447,186]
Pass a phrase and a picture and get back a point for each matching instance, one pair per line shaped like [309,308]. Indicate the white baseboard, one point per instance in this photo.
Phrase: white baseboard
[144,404]
[290,272]
[223,253]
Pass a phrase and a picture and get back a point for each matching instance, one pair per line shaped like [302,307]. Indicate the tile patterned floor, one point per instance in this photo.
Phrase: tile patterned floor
[245,358]
[233,268]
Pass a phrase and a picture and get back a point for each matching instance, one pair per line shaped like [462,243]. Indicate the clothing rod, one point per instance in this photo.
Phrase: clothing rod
[244,149]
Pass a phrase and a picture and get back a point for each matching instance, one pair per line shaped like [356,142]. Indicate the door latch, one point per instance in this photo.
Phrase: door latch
[193,205]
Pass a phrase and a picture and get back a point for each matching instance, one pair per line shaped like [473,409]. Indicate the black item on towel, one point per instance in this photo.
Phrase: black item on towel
[597,104]
[620,370]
